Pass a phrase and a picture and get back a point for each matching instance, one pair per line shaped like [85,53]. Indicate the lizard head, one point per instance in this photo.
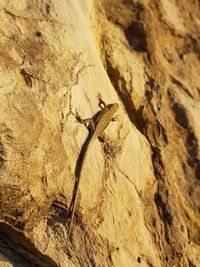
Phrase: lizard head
[114,107]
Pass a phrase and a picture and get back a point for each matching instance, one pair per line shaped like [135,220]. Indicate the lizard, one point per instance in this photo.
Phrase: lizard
[96,128]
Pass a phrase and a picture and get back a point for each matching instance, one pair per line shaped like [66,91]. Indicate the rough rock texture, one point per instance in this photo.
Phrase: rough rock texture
[139,197]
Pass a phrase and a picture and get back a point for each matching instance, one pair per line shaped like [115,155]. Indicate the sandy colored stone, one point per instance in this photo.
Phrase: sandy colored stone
[138,202]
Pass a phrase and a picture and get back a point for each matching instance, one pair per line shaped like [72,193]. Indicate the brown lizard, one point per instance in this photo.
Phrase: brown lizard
[96,128]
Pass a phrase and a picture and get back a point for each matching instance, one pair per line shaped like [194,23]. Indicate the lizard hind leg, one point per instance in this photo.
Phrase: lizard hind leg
[102,137]
[89,123]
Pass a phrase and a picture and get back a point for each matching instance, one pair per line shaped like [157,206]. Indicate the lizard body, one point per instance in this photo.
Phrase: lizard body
[96,128]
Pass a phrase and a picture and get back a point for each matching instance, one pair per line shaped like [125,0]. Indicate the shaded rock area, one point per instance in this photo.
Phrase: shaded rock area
[138,202]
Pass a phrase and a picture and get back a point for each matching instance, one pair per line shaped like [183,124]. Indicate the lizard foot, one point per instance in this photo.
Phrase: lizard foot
[101,104]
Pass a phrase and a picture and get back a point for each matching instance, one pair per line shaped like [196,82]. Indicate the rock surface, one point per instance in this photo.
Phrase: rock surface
[138,201]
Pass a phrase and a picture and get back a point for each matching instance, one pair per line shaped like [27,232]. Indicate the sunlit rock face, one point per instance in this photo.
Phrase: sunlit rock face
[138,199]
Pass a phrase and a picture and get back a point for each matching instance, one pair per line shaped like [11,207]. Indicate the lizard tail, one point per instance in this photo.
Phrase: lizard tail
[76,186]
[70,222]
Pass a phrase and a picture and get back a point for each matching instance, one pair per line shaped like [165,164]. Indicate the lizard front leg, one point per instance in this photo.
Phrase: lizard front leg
[102,105]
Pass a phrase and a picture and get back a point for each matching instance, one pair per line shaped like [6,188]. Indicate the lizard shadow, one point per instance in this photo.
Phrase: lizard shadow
[81,157]
[96,125]
[90,125]
[85,145]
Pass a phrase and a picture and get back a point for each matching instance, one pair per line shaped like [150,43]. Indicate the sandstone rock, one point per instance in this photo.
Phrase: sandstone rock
[138,200]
